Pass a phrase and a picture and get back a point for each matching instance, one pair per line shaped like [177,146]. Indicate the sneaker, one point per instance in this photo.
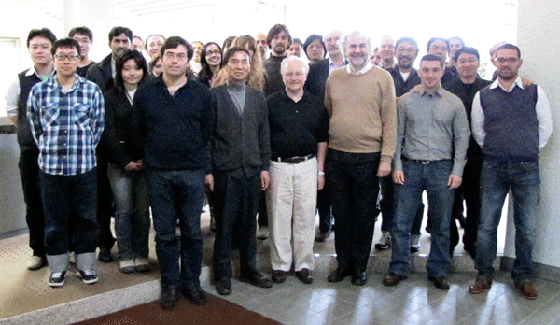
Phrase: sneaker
[141,265]
[126,266]
[384,241]
[262,233]
[36,262]
[88,276]
[414,243]
[56,280]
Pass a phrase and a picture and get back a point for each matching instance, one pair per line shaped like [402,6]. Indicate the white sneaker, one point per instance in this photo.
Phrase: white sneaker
[126,266]
[414,243]
[384,241]
[36,262]
[141,265]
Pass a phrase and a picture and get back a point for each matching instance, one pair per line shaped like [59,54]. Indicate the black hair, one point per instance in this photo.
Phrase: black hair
[433,39]
[467,50]
[119,30]
[275,30]
[234,50]
[65,43]
[406,39]
[123,58]
[173,42]
[43,32]
[510,47]
[81,30]
[431,58]
[311,39]
[205,73]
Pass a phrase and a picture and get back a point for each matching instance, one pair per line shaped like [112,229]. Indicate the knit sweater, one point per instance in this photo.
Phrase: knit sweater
[363,113]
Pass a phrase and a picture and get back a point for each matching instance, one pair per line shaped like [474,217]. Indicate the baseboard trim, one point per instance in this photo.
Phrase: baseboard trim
[542,271]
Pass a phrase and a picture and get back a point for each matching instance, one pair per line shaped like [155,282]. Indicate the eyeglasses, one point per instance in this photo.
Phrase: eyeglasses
[213,52]
[291,74]
[179,56]
[71,58]
[508,60]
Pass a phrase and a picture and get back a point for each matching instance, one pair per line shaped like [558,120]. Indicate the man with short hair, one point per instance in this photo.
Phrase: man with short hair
[196,66]
[278,40]
[262,44]
[431,153]
[138,43]
[240,151]
[153,44]
[83,35]
[440,46]
[361,102]
[316,83]
[299,131]
[176,117]
[387,52]
[511,122]
[376,57]
[314,48]
[295,48]
[468,83]
[39,44]
[66,115]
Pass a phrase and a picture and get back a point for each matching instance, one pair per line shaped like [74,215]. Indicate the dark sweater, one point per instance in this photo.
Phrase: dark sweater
[24,136]
[273,78]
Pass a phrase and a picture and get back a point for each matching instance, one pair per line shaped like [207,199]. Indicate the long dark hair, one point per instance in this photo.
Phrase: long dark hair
[123,58]
[205,74]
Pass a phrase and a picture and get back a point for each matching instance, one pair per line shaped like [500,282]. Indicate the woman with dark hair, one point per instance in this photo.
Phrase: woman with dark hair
[227,44]
[211,61]
[127,174]
[154,66]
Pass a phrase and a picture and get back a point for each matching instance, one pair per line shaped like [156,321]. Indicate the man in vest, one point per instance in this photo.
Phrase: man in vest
[39,44]
[511,123]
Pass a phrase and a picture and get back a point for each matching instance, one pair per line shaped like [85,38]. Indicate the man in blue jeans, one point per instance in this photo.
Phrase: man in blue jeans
[510,122]
[176,116]
[432,140]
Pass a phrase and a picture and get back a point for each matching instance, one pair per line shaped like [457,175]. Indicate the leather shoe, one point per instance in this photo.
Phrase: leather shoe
[105,255]
[279,276]
[195,295]
[392,279]
[169,297]
[223,286]
[258,280]
[339,274]
[322,236]
[480,284]
[305,276]
[440,282]
[360,278]
[527,289]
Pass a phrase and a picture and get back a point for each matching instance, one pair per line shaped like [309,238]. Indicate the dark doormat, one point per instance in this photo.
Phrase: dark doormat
[215,311]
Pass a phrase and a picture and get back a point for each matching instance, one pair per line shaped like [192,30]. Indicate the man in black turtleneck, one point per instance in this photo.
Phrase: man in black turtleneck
[279,40]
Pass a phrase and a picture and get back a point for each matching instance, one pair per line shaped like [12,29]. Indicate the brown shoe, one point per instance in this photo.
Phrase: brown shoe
[305,276]
[480,284]
[279,276]
[392,279]
[527,289]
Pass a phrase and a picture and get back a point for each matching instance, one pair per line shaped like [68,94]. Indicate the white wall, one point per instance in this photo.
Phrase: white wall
[538,34]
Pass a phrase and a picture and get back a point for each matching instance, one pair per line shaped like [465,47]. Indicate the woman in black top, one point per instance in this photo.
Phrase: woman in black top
[211,60]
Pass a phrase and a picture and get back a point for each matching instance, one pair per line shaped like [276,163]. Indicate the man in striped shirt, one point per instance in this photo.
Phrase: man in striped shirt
[66,115]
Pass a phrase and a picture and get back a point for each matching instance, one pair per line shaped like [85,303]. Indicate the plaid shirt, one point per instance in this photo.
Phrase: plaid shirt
[66,126]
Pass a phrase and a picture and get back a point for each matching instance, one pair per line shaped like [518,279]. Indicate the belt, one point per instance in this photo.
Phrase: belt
[294,160]
[424,162]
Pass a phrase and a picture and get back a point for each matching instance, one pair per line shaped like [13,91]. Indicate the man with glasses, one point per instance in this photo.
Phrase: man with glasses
[84,37]
[66,114]
[511,122]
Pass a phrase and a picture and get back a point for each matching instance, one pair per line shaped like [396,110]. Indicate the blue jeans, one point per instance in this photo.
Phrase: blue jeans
[522,178]
[132,219]
[433,178]
[177,195]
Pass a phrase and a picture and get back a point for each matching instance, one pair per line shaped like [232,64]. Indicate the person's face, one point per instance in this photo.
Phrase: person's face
[508,63]
[154,45]
[293,76]
[197,51]
[439,48]
[119,43]
[333,43]
[239,66]
[66,62]
[315,51]
[430,72]
[467,65]
[376,58]
[175,61]
[406,54]
[295,49]
[157,68]
[279,43]
[357,50]
[387,49]
[454,45]
[40,50]
[261,42]
[132,73]
[213,55]
[137,44]
[85,44]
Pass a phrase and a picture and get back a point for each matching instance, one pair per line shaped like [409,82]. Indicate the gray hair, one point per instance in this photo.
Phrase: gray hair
[284,64]
[355,33]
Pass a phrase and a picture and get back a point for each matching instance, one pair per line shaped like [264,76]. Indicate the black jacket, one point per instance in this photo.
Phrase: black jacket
[316,82]
[102,74]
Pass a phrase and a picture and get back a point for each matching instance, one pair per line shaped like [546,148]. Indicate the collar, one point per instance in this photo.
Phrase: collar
[236,88]
[53,82]
[365,69]
[517,82]
[344,62]
[303,97]
[31,71]
[424,92]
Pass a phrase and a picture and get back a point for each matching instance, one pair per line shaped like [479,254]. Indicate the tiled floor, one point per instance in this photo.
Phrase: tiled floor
[26,299]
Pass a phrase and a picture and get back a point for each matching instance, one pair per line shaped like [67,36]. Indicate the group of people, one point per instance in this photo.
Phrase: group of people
[264,132]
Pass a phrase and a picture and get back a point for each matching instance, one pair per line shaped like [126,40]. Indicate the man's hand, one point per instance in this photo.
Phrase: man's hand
[209,182]
[265,179]
[140,164]
[416,89]
[398,177]
[527,82]
[384,169]
[454,181]
[320,181]
[131,166]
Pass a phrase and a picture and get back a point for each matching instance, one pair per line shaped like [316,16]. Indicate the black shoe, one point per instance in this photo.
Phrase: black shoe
[360,278]
[223,286]
[305,276]
[392,279]
[195,295]
[105,255]
[258,280]
[440,282]
[279,276]
[169,297]
[339,274]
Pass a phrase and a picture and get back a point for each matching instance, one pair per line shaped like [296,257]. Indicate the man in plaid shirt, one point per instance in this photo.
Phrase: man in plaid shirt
[66,115]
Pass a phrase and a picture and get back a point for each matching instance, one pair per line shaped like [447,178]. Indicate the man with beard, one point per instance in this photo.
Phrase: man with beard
[360,99]
[278,40]
[511,122]
[387,52]
[262,44]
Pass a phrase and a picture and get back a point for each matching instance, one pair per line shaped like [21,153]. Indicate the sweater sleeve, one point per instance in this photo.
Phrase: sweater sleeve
[388,119]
